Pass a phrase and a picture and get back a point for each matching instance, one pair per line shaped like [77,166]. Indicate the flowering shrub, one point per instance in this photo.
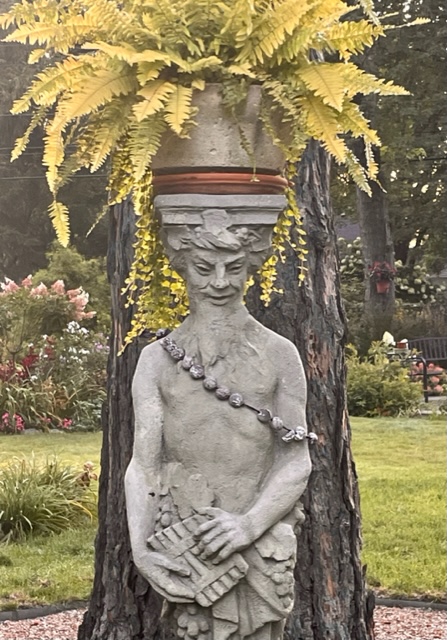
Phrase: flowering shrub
[48,381]
[436,380]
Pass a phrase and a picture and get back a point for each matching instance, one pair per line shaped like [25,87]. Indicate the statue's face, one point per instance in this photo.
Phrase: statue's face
[216,276]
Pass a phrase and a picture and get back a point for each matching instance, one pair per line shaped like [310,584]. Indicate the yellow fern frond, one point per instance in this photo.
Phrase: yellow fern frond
[22,142]
[155,95]
[59,217]
[350,38]
[108,129]
[322,125]
[144,142]
[371,164]
[50,83]
[36,55]
[53,155]
[271,29]
[325,80]
[50,35]
[127,53]
[95,91]
[357,172]
[352,119]
[358,81]
[178,108]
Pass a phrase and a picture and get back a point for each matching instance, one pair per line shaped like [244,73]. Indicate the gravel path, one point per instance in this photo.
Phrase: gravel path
[390,624]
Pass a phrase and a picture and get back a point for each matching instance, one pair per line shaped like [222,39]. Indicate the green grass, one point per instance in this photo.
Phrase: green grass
[71,448]
[56,568]
[401,469]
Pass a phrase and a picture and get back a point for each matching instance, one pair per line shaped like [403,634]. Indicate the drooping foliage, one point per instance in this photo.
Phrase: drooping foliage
[123,73]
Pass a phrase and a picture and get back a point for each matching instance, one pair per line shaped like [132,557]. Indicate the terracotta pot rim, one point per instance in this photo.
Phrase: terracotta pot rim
[219,182]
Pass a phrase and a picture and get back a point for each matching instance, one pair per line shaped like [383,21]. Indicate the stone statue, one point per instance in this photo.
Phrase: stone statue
[220,457]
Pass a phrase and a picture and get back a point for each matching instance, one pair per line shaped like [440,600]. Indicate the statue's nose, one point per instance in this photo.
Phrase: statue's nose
[221,280]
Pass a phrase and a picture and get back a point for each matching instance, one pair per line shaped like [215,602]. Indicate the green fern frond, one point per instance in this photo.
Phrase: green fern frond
[59,217]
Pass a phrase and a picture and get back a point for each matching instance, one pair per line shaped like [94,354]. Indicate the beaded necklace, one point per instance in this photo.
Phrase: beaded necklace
[234,398]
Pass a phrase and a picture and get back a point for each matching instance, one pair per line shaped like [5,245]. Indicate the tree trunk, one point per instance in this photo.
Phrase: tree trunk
[330,588]
[377,246]
[123,606]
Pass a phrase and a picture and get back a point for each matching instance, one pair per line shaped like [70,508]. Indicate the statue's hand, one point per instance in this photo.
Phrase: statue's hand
[224,534]
[163,574]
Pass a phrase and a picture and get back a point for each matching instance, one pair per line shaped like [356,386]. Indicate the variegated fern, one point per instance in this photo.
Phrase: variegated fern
[124,71]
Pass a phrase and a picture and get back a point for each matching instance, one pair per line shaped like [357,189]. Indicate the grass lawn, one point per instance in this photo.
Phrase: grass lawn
[56,568]
[401,469]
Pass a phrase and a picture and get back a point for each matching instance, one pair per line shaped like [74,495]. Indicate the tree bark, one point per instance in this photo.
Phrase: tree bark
[329,579]
[377,246]
[330,586]
[123,606]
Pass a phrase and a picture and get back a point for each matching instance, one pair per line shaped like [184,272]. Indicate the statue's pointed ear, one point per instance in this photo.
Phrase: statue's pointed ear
[175,237]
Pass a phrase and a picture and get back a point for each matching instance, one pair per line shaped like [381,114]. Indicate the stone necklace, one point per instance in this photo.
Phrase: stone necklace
[235,399]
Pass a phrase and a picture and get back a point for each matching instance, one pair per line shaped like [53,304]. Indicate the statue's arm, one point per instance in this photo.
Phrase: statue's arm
[142,479]
[288,477]
[226,533]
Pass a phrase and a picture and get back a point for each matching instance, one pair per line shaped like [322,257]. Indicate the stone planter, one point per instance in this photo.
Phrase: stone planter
[214,147]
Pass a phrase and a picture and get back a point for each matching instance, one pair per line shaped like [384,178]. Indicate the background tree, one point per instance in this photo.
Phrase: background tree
[25,227]
[408,220]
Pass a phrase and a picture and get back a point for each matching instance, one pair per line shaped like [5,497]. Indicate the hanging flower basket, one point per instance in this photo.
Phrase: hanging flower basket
[382,274]
[383,286]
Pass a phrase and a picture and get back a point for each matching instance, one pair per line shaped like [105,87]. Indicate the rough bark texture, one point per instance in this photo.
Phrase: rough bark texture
[122,606]
[329,582]
[377,247]
[330,588]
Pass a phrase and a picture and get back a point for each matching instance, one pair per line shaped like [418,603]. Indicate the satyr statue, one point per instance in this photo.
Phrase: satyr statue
[220,458]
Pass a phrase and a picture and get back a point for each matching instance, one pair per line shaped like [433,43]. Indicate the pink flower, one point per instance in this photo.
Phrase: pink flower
[40,290]
[86,315]
[66,423]
[9,286]
[58,287]
[438,389]
[28,281]
[72,293]
[20,425]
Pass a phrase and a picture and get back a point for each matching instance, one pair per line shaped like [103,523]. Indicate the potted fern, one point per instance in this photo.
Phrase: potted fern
[125,75]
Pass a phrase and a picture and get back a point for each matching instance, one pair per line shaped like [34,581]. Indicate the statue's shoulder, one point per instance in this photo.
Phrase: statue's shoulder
[150,359]
[278,348]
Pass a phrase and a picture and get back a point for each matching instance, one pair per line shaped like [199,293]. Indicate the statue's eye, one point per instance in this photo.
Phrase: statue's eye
[203,269]
[235,268]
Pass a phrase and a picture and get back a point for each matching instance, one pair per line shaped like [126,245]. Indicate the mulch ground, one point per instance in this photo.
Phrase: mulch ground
[390,624]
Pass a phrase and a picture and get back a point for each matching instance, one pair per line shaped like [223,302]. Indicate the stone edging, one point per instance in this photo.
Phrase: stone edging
[39,612]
